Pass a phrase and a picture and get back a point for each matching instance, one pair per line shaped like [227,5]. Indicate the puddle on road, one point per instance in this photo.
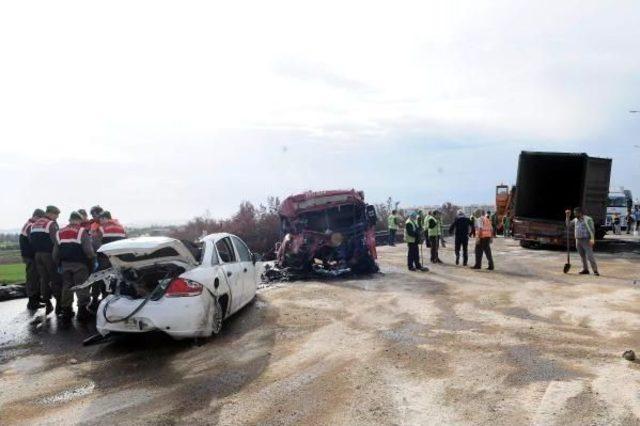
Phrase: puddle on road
[68,395]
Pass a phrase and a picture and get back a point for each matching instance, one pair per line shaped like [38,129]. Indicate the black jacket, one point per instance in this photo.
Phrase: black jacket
[463,226]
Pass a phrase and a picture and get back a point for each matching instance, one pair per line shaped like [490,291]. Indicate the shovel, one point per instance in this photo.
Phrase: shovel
[567,265]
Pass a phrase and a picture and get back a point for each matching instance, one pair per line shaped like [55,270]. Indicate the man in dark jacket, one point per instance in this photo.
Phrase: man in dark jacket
[413,239]
[462,227]
[28,257]
[42,238]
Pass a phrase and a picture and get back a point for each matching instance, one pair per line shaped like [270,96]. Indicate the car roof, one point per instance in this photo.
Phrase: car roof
[217,236]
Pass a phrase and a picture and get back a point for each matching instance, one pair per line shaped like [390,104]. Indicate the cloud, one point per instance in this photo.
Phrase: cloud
[163,110]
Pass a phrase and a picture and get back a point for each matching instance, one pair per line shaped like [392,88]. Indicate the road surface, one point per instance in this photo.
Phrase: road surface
[524,344]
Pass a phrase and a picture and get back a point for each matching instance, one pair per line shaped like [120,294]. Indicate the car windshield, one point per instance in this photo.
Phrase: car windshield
[617,201]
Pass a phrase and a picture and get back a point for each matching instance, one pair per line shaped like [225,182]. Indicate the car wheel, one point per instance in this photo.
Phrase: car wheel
[218,315]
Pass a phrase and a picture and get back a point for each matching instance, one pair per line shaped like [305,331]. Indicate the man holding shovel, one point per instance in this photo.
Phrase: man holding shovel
[585,234]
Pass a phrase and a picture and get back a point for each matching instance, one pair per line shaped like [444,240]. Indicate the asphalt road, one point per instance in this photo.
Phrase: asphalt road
[524,344]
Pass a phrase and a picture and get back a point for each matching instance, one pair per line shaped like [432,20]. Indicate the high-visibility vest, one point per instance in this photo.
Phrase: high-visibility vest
[487,230]
[39,235]
[408,238]
[112,231]
[70,243]
[433,232]
[392,222]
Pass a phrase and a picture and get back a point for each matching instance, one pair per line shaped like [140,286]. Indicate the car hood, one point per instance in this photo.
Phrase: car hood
[145,251]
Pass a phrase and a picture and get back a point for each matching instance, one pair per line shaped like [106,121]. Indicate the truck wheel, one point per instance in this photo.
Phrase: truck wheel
[216,323]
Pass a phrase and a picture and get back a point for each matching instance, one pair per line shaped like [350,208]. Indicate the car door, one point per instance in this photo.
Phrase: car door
[232,271]
[248,271]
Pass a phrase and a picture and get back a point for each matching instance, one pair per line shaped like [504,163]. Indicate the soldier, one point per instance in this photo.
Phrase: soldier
[28,257]
[109,230]
[42,238]
[74,252]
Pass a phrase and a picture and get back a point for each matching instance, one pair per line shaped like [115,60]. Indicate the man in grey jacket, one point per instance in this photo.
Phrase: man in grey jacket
[585,234]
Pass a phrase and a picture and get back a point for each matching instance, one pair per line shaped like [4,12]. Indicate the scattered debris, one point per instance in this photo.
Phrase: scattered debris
[328,233]
[629,355]
[12,291]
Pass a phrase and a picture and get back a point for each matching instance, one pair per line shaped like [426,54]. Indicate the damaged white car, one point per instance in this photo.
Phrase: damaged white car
[183,289]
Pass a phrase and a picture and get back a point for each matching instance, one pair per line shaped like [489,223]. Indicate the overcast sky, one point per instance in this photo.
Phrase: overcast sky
[159,111]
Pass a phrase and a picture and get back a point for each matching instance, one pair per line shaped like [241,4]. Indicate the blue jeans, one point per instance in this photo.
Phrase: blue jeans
[392,237]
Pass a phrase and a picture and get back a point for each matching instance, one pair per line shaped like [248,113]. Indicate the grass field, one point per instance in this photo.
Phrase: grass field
[11,273]
[8,257]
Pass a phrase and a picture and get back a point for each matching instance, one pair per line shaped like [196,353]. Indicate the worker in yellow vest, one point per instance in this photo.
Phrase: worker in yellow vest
[433,228]
[393,222]
[412,237]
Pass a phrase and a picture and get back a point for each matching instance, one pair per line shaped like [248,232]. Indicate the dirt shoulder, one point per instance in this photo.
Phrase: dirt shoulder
[522,344]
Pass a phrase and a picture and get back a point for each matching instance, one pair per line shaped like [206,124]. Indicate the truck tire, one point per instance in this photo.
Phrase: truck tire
[525,244]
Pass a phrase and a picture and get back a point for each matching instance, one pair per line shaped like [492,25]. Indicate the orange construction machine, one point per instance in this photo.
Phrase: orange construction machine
[504,204]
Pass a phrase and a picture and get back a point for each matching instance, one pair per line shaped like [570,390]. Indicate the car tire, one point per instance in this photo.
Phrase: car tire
[218,317]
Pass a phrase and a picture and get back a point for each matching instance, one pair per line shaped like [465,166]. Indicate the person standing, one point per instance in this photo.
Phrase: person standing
[616,224]
[392,224]
[74,253]
[494,222]
[433,228]
[636,217]
[462,227]
[506,226]
[109,230]
[42,238]
[629,220]
[412,238]
[484,233]
[28,258]
[585,234]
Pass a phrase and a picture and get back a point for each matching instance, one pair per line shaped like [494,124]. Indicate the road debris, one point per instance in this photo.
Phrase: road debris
[629,355]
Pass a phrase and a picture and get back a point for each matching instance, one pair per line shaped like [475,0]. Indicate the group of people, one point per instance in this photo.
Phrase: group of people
[481,227]
[632,220]
[57,259]
[420,227]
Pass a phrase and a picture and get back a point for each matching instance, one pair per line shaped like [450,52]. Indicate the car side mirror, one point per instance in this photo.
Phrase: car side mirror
[255,257]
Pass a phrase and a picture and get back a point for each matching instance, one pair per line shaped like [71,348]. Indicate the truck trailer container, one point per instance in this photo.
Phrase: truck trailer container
[549,183]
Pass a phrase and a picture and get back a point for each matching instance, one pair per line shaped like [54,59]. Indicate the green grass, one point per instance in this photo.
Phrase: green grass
[9,257]
[12,273]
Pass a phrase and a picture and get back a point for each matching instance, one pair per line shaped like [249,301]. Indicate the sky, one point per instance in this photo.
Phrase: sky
[160,111]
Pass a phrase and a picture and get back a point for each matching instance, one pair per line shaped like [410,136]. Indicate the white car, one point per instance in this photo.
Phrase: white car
[183,289]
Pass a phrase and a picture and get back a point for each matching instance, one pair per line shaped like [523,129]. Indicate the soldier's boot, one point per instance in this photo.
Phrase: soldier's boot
[93,306]
[34,303]
[66,313]
[48,307]
[84,315]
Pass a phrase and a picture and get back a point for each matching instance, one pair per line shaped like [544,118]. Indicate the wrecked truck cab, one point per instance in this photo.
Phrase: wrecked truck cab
[328,233]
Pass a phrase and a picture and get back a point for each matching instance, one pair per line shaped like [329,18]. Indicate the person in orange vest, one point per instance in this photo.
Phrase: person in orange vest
[484,233]
[28,258]
[86,224]
[74,253]
[109,230]
[42,238]
[94,222]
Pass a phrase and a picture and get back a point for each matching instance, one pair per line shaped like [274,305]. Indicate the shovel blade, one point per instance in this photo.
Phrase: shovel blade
[566,268]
